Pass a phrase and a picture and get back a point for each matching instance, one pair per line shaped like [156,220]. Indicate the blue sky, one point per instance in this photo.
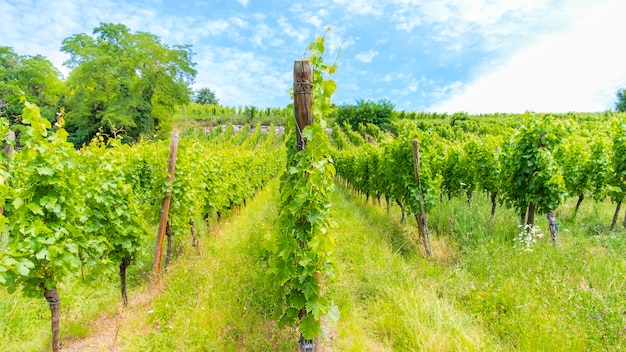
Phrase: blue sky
[477,56]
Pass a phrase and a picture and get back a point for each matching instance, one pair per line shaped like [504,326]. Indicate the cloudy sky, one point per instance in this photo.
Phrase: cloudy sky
[477,56]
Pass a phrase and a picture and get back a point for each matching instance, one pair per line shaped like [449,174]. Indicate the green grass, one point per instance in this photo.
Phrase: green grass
[216,300]
[477,293]
[388,292]
[25,322]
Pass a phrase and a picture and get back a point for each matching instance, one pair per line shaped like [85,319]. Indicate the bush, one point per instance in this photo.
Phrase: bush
[365,112]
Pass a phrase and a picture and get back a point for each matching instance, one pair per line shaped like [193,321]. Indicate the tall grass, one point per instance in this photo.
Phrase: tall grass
[387,291]
[568,298]
[216,300]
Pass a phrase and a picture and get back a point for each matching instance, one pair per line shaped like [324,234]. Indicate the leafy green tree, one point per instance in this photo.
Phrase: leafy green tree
[364,112]
[205,96]
[124,81]
[31,77]
[620,104]
[9,89]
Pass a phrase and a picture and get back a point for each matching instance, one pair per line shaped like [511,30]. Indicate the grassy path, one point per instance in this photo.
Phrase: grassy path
[216,300]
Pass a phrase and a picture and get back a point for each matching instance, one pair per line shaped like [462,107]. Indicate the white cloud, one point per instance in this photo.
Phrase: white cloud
[577,69]
[362,7]
[242,77]
[480,22]
[215,27]
[299,35]
[367,57]
[244,3]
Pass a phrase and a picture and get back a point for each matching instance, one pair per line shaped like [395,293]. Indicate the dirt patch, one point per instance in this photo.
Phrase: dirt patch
[107,328]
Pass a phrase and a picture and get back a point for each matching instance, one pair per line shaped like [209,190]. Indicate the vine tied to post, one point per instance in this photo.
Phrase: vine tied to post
[302,87]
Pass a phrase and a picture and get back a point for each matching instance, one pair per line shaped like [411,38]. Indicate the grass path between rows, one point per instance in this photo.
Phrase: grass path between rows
[216,299]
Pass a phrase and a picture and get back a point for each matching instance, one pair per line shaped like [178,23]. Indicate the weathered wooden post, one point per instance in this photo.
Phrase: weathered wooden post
[302,98]
[165,207]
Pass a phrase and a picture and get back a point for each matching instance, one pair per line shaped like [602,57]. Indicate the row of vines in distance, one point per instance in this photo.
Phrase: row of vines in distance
[530,169]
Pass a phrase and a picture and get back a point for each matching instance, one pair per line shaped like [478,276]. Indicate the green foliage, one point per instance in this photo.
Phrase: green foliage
[387,169]
[574,157]
[302,253]
[339,138]
[600,167]
[31,77]
[354,137]
[617,181]
[112,209]
[364,112]
[45,214]
[68,213]
[530,172]
[483,164]
[124,82]
[620,104]
[194,113]
[205,96]
[454,171]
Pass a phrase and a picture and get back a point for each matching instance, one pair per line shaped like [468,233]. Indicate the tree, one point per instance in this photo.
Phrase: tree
[620,104]
[364,112]
[31,77]
[123,81]
[205,96]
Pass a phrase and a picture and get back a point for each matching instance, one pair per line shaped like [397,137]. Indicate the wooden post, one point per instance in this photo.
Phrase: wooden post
[302,98]
[302,102]
[165,207]
[421,220]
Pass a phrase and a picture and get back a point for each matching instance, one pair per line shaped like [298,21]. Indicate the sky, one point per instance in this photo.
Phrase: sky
[477,56]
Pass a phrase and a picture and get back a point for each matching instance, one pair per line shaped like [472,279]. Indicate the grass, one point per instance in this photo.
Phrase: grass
[387,291]
[477,293]
[25,322]
[216,300]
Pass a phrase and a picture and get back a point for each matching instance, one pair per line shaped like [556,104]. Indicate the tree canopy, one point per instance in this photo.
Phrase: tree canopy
[364,112]
[205,96]
[124,82]
[620,105]
[33,77]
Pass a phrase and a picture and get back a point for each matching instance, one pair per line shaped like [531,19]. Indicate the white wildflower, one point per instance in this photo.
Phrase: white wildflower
[527,236]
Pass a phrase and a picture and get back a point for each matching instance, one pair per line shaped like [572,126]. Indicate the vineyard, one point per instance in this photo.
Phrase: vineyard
[420,234]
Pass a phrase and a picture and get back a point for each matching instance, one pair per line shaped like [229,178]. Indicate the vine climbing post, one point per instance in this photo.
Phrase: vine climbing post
[165,206]
[301,252]
[302,102]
